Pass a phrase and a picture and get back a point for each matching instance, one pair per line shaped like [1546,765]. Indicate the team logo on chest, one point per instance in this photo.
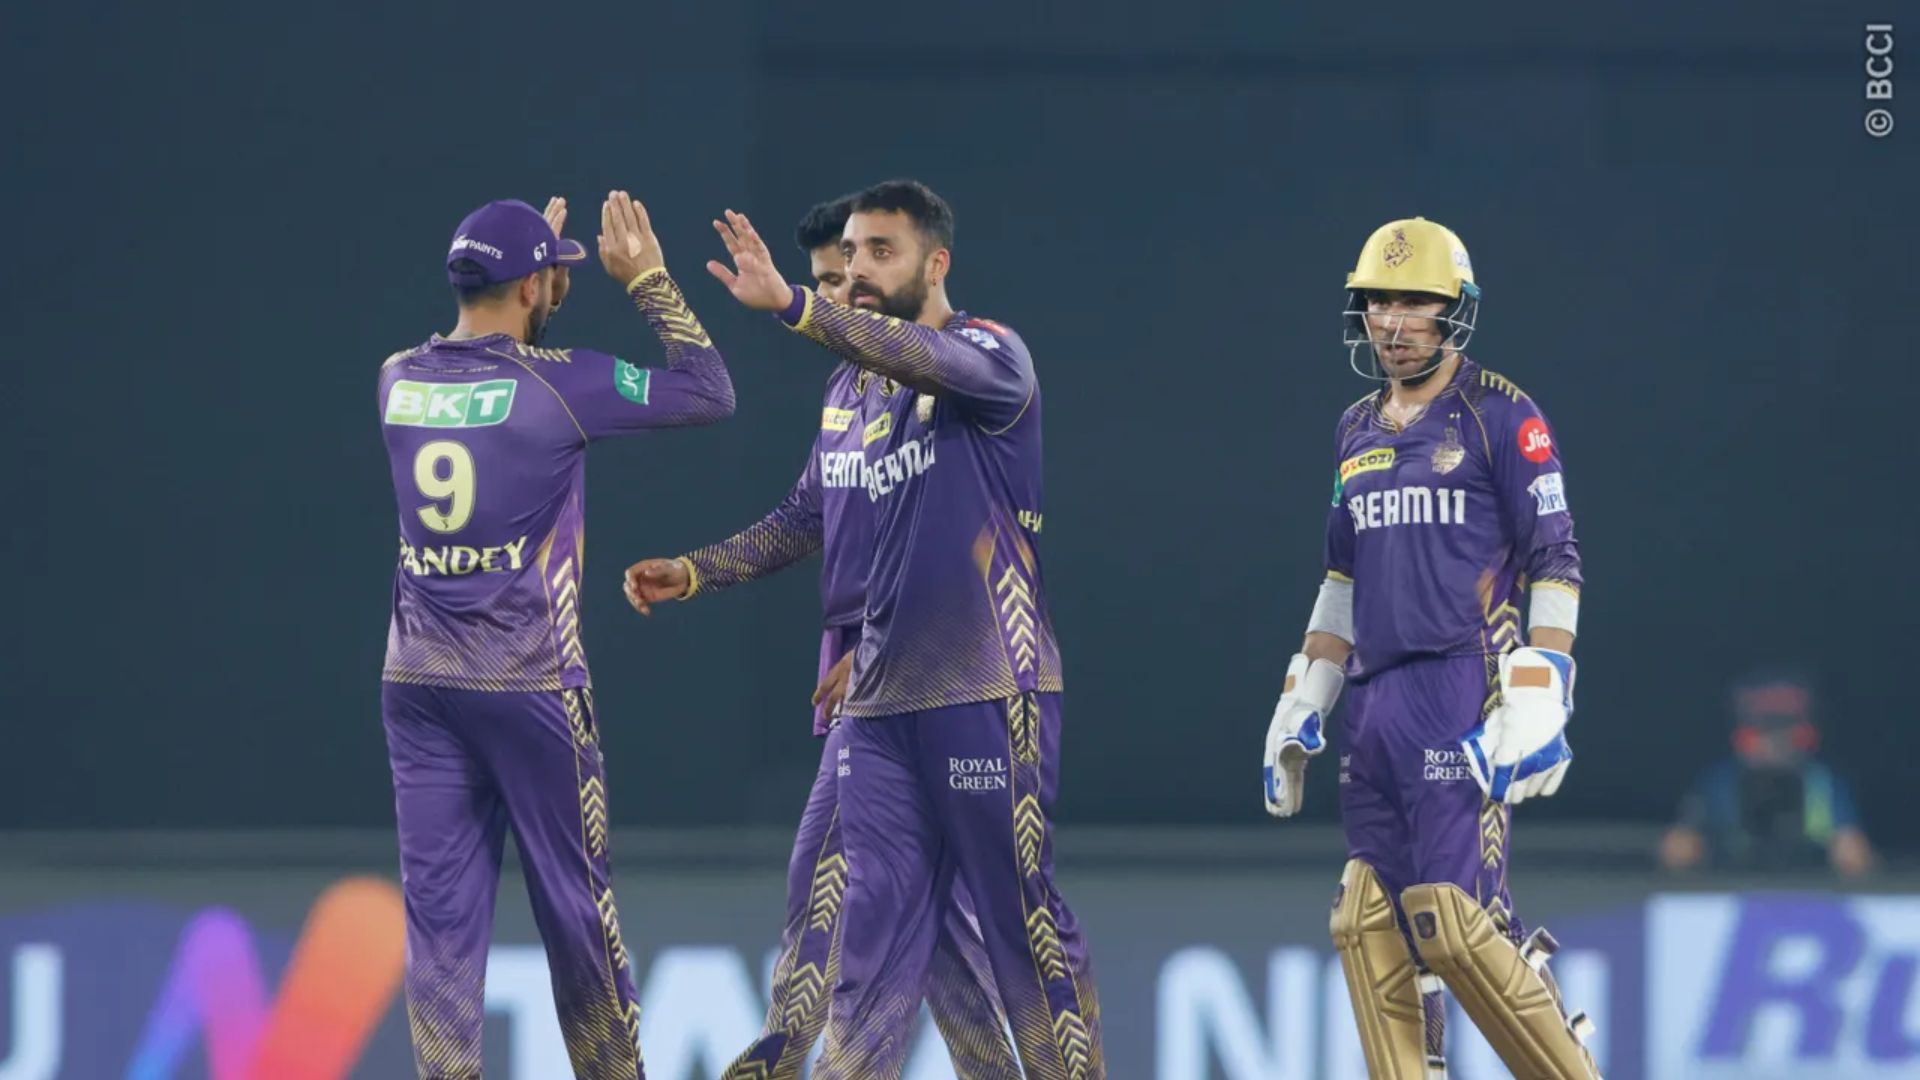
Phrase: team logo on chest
[860,381]
[1449,454]
[923,408]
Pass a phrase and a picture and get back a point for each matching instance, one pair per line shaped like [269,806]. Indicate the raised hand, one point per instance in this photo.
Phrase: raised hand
[628,247]
[556,215]
[753,280]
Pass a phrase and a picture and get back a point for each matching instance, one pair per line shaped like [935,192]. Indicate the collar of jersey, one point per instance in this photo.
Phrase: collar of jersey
[1453,387]
[485,340]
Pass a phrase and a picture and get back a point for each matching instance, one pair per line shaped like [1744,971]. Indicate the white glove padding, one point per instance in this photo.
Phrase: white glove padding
[1294,736]
[1521,750]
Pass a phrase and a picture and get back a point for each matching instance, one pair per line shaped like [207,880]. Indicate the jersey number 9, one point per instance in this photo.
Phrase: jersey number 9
[455,487]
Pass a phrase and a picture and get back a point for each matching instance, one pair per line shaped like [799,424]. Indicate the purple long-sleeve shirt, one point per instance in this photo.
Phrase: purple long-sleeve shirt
[487,438]
[826,510]
[956,602]
[1443,527]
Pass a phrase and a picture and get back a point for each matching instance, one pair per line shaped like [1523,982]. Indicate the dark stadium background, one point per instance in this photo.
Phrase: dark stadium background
[224,216]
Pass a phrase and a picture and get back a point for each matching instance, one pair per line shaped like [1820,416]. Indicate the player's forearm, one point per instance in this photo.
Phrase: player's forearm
[1321,645]
[769,545]
[912,355]
[1550,637]
[696,370]
[1330,627]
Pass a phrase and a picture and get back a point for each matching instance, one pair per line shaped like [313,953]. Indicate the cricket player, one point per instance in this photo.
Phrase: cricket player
[1449,514]
[486,701]
[952,714]
[828,511]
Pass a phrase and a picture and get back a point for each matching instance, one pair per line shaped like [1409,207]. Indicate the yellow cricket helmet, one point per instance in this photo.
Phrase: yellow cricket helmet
[1413,255]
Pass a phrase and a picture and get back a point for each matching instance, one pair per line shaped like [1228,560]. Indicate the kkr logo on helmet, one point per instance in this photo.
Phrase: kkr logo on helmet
[1398,250]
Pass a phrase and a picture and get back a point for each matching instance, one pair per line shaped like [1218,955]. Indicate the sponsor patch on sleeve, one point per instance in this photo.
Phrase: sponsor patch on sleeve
[1549,494]
[631,380]
[1536,442]
[980,337]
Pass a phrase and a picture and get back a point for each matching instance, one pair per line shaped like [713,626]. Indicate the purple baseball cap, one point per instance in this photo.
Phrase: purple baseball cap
[508,240]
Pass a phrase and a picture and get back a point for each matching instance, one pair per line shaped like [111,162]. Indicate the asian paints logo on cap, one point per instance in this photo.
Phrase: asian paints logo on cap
[1536,444]
[463,242]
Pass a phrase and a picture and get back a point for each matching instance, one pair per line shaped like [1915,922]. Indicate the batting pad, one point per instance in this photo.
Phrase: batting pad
[1510,1002]
[1381,978]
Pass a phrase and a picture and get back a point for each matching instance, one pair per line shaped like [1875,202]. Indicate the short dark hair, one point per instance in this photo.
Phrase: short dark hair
[928,211]
[824,224]
[472,295]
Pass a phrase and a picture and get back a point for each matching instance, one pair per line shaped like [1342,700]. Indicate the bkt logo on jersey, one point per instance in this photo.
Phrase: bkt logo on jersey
[450,405]
[1408,506]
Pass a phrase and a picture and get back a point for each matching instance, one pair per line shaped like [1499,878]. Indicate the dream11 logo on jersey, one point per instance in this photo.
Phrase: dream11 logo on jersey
[77,1006]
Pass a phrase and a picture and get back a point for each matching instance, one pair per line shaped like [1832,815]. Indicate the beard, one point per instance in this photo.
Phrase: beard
[542,310]
[906,302]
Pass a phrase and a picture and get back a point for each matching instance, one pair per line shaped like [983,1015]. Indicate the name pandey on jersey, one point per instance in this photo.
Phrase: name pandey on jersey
[455,560]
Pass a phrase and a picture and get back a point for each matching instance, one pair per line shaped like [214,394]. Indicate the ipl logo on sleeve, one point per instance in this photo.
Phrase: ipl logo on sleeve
[980,337]
[1549,494]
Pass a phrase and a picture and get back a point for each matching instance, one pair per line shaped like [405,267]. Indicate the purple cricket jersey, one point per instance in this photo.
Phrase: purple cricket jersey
[486,439]
[956,605]
[826,510]
[1442,527]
